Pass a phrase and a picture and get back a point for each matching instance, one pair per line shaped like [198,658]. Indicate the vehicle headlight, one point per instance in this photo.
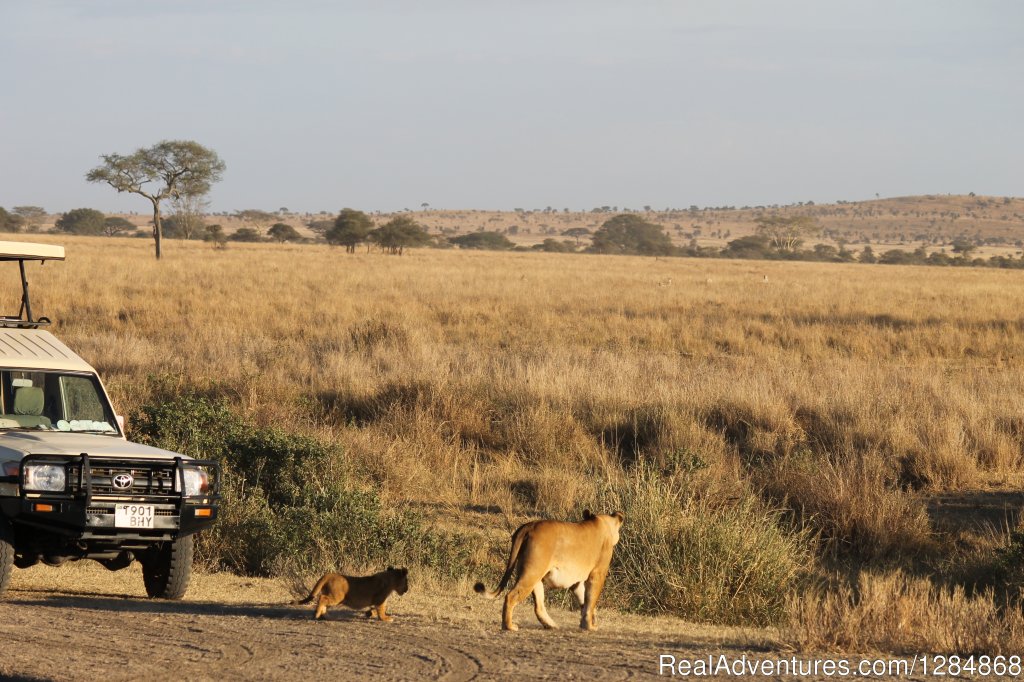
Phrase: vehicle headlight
[49,478]
[196,481]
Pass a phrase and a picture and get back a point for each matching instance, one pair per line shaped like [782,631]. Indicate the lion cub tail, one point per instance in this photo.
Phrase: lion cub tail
[316,591]
[513,558]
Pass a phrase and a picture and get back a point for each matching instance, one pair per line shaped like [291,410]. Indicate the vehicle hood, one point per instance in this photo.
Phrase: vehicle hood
[16,444]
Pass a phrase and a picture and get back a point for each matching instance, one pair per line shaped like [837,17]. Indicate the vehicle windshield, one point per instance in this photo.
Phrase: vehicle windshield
[54,401]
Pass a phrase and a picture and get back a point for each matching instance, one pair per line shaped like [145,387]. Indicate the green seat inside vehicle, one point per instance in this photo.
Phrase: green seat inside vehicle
[28,408]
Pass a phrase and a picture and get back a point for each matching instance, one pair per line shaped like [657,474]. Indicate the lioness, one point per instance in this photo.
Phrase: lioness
[358,593]
[559,554]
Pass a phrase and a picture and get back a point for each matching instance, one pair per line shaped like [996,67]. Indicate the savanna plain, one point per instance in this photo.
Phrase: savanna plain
[811,457]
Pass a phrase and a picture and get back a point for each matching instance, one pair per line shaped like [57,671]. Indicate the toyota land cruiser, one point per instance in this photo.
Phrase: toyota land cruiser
[71,485]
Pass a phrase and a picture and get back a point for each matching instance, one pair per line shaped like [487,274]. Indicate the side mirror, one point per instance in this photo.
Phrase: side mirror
[120,422]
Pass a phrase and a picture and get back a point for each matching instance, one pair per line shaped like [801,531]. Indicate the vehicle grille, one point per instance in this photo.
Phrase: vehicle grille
[154,479]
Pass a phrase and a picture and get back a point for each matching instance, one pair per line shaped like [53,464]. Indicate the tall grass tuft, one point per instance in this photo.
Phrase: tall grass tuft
[852,502]
[687,553]
[897,613]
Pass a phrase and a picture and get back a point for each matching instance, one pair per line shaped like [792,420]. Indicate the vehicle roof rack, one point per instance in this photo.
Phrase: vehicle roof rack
[21,252]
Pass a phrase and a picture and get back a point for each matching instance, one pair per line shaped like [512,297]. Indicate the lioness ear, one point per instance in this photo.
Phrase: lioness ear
[619,516]
[587,515]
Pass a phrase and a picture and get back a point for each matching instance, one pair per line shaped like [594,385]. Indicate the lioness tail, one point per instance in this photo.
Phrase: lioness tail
[513,558]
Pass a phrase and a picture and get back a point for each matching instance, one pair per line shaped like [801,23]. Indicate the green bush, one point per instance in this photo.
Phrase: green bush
[81,221]
[1006,569]
[290,498]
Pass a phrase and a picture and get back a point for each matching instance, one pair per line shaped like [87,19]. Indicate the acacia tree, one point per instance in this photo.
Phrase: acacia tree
[963,247]
[168,169]
[32,216]
[398,234]
[257,218]
[283,232]
[215,234]
[576,232]
[350,228]
[115,225]
[9,222]
[786,233]
[631,234]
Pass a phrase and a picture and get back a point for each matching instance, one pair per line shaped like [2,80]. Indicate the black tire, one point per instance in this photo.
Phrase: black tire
[6,553]
[167,570]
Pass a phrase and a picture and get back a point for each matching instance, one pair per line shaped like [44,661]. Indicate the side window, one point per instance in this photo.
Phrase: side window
[80,399]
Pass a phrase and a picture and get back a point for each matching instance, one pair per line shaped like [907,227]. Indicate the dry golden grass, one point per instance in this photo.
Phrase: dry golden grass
[521,383]
[453,373]
[896,613]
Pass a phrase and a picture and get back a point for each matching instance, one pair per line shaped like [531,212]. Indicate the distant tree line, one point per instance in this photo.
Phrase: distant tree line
[776,237]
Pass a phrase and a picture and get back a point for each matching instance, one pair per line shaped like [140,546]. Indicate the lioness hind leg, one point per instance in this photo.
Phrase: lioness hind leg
[524,586]
[593,587]
[321,607]
[540,609]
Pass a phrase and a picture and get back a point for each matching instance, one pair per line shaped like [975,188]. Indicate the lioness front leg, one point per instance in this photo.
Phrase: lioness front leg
[382,613]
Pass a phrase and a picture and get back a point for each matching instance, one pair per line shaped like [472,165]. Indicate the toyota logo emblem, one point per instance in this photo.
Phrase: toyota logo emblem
[123,481]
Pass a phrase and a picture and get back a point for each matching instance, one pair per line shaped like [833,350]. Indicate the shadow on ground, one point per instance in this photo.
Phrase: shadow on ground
[975,511]
[106,602]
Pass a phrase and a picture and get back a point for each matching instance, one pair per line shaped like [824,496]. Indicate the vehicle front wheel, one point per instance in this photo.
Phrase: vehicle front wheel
[6,553]
[166,570]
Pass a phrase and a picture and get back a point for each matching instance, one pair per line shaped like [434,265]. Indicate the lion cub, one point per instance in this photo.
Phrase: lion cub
[359,592]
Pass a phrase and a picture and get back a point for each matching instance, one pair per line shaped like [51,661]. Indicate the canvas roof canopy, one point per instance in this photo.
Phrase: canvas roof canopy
[12,251]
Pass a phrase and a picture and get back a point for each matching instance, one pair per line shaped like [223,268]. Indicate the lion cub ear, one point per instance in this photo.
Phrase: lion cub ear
[587,514]
[391,568]
[404,571]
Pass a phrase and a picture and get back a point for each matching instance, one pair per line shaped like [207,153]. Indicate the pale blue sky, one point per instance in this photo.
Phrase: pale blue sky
[316,105]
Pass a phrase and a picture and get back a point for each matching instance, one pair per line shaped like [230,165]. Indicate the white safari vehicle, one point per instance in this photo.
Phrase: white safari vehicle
[71,486]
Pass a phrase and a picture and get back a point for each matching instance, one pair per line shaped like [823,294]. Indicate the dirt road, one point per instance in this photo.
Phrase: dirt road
[84,623]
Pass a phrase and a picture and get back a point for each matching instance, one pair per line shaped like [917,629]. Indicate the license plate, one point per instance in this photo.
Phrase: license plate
[133,516]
